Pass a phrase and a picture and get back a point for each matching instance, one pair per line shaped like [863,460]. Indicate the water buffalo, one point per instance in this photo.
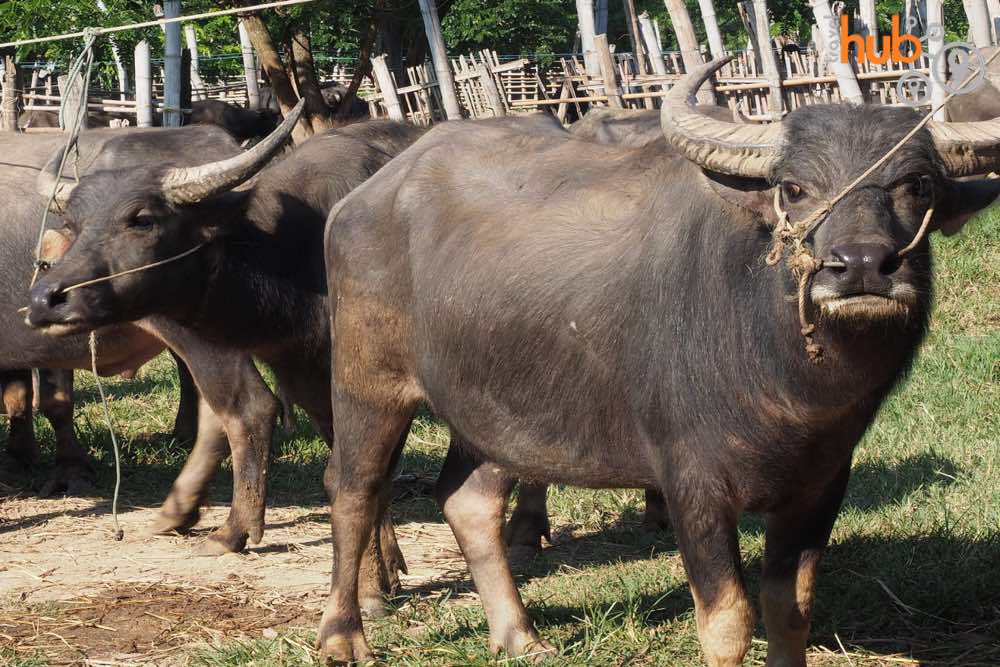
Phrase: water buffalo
[256,289]
[242,123]
[626,332]
[632,128]
[122,348]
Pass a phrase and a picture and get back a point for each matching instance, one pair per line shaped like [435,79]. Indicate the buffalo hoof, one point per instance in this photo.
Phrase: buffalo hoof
[525,645]
[165,524]
[524,533]
[73,478]
[227,540]
[345,648]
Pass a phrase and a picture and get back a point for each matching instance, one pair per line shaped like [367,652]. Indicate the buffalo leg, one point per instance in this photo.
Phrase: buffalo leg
[358,481]
[182,508]
[186,424]
[473,496]
[705,527]
[656,516]
[795,543]
[17,401]
[383,560]
[73,472]
[231,386]
[530,521]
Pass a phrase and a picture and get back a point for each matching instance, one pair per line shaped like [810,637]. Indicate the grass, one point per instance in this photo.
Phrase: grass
[912,575]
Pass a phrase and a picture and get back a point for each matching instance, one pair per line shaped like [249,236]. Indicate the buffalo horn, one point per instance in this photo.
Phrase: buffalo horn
[728,148]
[190,185]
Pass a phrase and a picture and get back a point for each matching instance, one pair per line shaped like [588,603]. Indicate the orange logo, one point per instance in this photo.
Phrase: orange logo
[891,45]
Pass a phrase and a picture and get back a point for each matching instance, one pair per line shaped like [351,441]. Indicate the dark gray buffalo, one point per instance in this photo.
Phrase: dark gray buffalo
[121,349]
[256,288]
[626,332]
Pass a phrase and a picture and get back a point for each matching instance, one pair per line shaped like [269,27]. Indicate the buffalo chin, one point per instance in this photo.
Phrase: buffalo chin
[60,328]
[864,308]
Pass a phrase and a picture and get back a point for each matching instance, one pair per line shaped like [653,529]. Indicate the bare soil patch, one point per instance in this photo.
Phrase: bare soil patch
[72,593]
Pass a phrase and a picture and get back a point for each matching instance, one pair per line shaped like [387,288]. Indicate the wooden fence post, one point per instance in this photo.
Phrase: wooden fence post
[768,59]
[712,28]
[442,66]
[197,85]
[172,66]
[119,65]
[493,95]
[993,6]
[608,72]
[869,20]
[979,23]
[249,67]
[935,45]
[688,42]
[9,95]
[635,36]
[74,96]
[585,16]
[143,85]
[387,87]
[829,32]
[652,41]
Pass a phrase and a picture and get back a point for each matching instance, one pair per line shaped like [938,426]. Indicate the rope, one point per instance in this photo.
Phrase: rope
[119,533]
[157,22]
[803,264]
[139,269]
[82,67]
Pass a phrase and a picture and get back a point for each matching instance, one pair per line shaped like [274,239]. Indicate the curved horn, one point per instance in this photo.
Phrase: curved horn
[967,149]
[190,185]
[47,181]
[728,148]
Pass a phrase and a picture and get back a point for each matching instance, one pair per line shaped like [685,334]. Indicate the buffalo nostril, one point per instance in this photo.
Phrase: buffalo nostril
[890,264]
[50,296]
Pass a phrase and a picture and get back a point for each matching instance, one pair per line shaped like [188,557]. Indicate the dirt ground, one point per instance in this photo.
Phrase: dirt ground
[69,591]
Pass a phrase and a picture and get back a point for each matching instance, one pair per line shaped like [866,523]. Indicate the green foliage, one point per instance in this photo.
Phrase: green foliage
[510,26]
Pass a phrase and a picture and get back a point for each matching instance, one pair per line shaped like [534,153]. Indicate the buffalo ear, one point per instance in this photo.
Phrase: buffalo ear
[217,216]
[752,194]
[962,201]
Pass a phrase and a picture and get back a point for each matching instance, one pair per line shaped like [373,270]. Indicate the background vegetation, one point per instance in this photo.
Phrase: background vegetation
[512,27]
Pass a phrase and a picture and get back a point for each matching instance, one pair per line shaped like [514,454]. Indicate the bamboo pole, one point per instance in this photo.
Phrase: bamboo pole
[493,95]
[387,87]
[249,67]
[688,43]
[829,32]
[172,66]
[143,85]
[715,44]
[585,17]
[635,36]
[601,17]
[994,8]
[442,66]
[652,42]
[869,21]
[935,45]
[73,96]
[611,88]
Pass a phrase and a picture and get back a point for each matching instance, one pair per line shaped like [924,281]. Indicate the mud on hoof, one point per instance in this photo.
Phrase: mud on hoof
[345,649]
[73,478]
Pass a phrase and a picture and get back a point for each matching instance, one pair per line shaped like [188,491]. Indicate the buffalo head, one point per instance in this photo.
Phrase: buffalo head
[121,220]
[801,165]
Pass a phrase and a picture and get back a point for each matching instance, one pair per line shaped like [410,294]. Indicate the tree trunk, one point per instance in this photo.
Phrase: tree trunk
[318,112]
[281,85]
[364,63]
[829,31]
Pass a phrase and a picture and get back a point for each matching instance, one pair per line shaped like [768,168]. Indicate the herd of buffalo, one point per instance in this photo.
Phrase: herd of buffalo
[588,306]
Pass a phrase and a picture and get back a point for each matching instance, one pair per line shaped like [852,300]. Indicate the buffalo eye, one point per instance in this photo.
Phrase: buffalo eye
[793,192]
[141,222]
[921,186]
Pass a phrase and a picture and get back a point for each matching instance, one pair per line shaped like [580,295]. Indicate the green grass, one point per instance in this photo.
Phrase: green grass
[914,567]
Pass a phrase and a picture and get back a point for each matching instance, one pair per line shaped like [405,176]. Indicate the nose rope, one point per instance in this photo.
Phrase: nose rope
[139,269]
[804,265]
